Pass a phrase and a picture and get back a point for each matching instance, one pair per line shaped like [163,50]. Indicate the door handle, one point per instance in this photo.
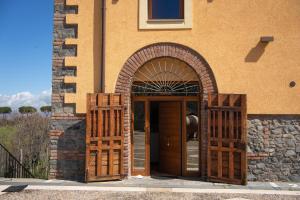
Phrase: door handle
[168,143]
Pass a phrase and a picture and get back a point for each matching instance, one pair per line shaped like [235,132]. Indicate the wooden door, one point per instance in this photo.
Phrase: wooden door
[169,134]
[104,137]
[227,160]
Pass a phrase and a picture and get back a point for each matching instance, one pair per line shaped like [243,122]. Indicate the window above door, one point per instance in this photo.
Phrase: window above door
[166,14]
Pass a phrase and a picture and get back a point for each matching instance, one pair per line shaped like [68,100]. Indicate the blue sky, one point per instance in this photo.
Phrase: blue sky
[25,47]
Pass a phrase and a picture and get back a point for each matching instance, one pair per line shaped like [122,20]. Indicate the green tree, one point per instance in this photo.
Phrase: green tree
[4,111]
[46,109]
[27,110]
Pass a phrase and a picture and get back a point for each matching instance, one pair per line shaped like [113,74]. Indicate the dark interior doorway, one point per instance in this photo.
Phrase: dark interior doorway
[154,137]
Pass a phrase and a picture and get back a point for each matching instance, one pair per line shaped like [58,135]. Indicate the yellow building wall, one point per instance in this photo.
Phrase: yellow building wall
[88,42]
[226,33]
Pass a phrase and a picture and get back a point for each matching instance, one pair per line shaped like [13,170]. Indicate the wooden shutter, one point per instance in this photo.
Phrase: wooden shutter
[104,137]
[227,132]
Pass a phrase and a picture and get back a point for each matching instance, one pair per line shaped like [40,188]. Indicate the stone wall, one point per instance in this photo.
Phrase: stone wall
[67,135]
[67,146]
[273,148]
[60,50]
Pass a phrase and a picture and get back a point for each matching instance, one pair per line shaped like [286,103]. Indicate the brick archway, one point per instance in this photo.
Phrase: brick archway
[192,58]
[207,83]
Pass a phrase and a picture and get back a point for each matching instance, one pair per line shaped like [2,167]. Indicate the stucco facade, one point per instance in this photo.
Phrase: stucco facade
[226,34]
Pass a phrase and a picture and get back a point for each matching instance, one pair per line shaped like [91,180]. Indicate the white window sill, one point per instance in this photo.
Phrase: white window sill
[166,21]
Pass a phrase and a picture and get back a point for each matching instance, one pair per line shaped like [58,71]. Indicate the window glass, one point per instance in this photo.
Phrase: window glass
[139,135]
[166,9]
[192,137]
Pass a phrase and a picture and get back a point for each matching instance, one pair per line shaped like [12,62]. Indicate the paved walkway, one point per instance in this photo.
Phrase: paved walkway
[145,188]
[159,182]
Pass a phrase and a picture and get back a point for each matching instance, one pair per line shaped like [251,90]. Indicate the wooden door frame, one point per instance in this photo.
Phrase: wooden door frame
[182,100]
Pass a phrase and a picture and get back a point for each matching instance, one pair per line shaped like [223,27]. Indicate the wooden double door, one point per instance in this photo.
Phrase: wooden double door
[218,134]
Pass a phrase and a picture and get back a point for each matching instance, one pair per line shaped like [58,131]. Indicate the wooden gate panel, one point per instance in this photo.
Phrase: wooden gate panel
[227,138]
[104,137]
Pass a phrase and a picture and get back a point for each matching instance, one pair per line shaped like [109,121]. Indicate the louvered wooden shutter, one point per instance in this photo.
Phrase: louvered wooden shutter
[104,137]
[227,133]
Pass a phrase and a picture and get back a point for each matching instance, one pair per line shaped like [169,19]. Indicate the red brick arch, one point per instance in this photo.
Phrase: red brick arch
[207,83]
[192,58]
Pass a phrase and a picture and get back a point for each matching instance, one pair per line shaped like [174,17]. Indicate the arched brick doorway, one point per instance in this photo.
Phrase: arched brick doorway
[183,53]
[193,59]
[220,120]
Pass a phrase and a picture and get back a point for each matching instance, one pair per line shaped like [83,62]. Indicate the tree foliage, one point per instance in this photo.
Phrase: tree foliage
[5,110]
[26,137]
[45,109]
[27,110]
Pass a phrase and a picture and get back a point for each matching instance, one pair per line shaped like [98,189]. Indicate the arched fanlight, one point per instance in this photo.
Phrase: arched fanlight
[165,76]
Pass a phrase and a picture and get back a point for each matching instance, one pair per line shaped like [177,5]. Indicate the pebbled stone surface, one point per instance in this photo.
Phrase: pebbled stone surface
[277,138]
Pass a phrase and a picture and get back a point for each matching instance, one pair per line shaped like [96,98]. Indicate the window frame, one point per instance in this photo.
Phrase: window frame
[144,23]
[150,11]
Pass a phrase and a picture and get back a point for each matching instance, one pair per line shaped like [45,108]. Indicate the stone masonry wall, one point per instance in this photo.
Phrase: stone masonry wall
[67,146]
[67,135]
[273,148]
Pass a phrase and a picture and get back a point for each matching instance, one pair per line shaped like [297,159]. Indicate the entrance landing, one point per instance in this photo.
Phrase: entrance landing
[158,183]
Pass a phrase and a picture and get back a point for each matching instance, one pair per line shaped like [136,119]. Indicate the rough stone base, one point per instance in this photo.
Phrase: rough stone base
[67,135]
[67,150]
[273,148]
